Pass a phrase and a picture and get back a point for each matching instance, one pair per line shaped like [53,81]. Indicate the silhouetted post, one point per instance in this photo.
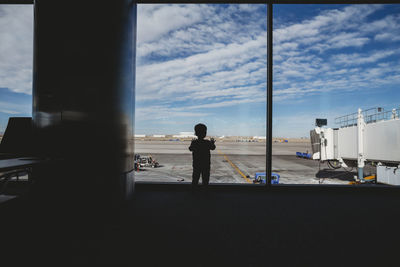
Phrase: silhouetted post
[269,94]
[83,96]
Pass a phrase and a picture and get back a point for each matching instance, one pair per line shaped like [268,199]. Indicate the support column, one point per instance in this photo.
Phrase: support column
[83,96]
[360,145]
[269,92]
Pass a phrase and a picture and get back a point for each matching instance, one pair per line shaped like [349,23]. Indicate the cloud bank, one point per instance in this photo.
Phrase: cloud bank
[16,47]
[205,57]
[195,59]
[342,49]
[208,62]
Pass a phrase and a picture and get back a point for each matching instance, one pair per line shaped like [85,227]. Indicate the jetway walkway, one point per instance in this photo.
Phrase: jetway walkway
[371,136]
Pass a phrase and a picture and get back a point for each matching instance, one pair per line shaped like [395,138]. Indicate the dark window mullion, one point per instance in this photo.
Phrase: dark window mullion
[269,95]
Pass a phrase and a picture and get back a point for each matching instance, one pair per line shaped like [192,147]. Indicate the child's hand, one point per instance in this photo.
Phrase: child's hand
[212,140]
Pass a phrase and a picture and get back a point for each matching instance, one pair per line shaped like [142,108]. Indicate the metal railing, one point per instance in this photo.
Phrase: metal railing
[370,116]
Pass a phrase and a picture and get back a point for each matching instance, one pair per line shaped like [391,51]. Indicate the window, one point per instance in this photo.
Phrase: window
[207,63]
[16,57]
[329,61]
[201,64]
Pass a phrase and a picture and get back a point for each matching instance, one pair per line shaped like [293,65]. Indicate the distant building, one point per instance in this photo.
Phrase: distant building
[260,137]
[185,135]
[140,135]
[158,135]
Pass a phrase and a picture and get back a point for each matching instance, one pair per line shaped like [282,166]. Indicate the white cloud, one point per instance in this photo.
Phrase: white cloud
[10,112]
[199,66]
[216,28]
[154,21]
[347,39]
[331,21]
[14,108]
[215,60]
[358,59]
[309,58]
[220,70]
[389,23]
[388,36]
[249,7]
[158,112]
[16,47]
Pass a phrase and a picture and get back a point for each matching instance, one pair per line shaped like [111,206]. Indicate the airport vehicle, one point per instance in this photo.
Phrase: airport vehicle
[366,137]
[261,178]
[148,161]
[145,161]
[304,155]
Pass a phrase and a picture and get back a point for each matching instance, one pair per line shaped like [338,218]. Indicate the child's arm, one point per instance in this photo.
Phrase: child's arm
[191,148]
[212,145]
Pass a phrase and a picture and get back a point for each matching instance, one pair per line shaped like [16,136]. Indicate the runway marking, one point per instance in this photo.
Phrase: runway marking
[235,167]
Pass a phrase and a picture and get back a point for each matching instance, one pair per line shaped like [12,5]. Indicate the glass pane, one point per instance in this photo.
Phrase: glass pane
[201,64]
[16,57]
[329,62]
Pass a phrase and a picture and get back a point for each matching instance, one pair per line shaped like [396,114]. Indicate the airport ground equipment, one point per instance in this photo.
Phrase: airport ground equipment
[146,161]
[371,137]
[136,162]
[388,175]
[261,178]
[304,155]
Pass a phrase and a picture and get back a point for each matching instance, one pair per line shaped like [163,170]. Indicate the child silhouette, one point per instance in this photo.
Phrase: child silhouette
[201,155]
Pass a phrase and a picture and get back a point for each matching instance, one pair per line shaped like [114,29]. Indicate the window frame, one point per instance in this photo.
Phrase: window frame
[269,88]
[269,4]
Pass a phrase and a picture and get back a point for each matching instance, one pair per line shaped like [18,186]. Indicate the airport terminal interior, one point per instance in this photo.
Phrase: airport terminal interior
[97,117]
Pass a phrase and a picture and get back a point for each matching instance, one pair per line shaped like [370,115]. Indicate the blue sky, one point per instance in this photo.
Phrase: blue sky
[207,63]
[331,60]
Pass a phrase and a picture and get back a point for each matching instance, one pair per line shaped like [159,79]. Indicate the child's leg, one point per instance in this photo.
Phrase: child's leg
[205,176]
[195,176]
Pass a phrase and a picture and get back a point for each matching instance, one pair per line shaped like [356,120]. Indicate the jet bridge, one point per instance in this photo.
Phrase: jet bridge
[371,136]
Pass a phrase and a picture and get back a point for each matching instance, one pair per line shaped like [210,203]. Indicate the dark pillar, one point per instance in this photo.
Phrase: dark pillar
[269,93]
[83,96]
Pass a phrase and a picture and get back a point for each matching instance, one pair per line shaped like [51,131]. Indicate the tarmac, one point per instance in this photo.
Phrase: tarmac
[237,162]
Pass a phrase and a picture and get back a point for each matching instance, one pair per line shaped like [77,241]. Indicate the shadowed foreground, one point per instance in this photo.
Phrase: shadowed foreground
[168,225]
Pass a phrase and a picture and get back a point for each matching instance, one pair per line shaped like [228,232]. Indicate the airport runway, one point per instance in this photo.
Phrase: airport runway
[236,162]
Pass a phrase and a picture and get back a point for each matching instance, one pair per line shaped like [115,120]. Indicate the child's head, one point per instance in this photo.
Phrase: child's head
[200,130]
